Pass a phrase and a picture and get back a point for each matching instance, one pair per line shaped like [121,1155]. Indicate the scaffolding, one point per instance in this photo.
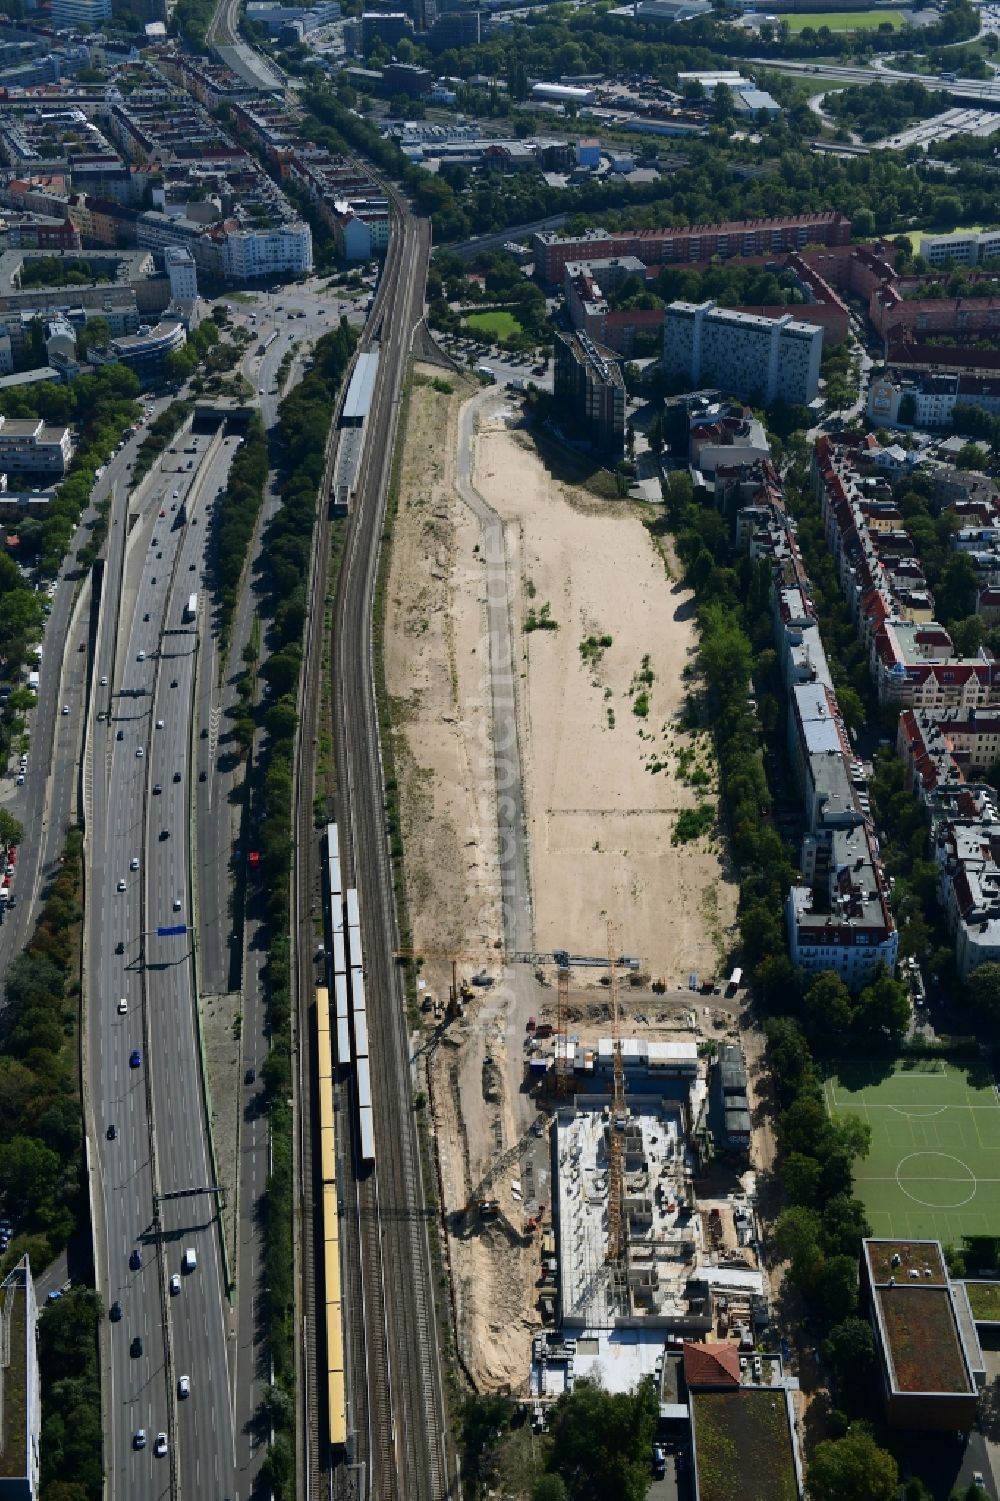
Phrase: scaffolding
[617,1228]
[563,1080]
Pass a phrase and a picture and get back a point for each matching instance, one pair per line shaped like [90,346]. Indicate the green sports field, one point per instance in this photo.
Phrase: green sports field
[498,324]
[843,20]
[934,1165]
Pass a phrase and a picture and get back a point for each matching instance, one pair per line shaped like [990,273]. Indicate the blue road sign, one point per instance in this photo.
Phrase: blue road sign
[171,932]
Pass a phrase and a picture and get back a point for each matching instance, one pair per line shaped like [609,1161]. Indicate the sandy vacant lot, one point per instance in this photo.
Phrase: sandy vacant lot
[434,675]
[604,784]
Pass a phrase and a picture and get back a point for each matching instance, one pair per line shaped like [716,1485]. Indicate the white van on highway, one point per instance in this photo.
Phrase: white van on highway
[190,1259]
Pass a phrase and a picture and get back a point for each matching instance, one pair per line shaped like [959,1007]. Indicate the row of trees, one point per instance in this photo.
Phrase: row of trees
[71,1439]
[721,178]
[304,422]
[40,1120]
[161,431]
[235,516]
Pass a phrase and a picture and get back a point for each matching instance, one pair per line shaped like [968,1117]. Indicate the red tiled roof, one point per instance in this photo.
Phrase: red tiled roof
[714,1364]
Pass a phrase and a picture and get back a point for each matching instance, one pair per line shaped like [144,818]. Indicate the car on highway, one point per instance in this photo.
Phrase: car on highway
[135,1059]
[119,947]
[164,834]
[183,1386]
[139,753]
[159,724]
[175,1284]
[250,1077]
[123,1006]
[139,1439]
[65,708]
[177,904]
[120,735]
[122,883]
[104,681]
[135,1260]
[135,1348]
[177,776]
[140,656]
[157,789]
[133,864]
[146,616]
[201,776]
[163,513]
[116,1312]
[112,1132]
[160,1447]
[173,682]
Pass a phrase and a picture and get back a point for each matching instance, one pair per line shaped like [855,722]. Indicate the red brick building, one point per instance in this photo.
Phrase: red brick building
[697,242]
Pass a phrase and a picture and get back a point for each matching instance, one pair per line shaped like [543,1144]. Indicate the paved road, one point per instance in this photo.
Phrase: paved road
[46,804]
[515,887]
[157,1107]
[965,89]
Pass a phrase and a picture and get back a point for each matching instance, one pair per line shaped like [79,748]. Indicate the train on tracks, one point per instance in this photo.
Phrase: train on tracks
[346,973]
[330,1227]
[341,1042]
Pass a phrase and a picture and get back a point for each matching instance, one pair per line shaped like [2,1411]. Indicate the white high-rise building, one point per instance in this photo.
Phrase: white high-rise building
[183,273]
[251,253]
[744,354]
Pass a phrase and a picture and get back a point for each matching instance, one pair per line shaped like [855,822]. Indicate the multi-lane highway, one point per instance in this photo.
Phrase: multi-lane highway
[144,1067]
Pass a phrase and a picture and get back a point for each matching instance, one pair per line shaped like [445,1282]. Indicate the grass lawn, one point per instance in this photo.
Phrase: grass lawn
[496,325]
[844,20]
[933,1171]
[984,1300]
[744,1449]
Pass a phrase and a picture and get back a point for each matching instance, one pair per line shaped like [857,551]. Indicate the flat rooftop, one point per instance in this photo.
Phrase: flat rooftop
[922,1341]
[743,1446]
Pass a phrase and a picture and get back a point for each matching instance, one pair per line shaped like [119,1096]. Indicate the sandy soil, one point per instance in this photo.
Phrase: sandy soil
[604,786]
[434,675]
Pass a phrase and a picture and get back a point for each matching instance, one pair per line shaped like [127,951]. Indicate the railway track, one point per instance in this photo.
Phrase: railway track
[407,1455]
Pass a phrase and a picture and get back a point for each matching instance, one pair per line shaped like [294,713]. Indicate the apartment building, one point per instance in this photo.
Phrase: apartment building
[699,242]
[838,915]
[765,359]
[588,383]
[182,272]
[250,254]
[30,446]
[935,397]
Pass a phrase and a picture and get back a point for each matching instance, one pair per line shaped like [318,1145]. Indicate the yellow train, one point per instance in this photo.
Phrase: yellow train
[336,1393]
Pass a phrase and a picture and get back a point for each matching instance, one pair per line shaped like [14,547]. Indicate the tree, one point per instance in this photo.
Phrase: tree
[853,1468]
[828,1007]
[883,1007]
[11,832]
[550,1488]
[984,990]
[601,1441]
[849,1351]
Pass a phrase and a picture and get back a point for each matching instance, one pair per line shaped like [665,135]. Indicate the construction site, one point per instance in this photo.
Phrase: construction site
[593,1190]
